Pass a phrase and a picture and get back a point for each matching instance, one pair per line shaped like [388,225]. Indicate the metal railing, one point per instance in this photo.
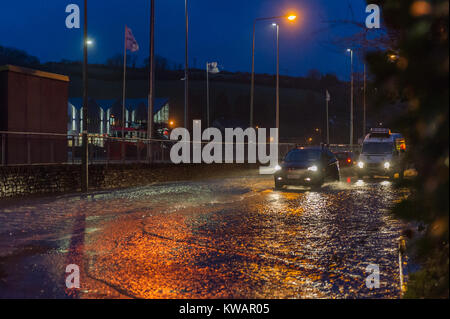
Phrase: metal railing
[32,148]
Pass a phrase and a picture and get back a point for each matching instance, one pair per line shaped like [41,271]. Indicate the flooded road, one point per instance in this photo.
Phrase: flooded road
[229,238]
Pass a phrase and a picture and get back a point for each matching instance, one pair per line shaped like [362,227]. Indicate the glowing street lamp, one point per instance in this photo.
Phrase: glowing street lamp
[290,17]
[393,57]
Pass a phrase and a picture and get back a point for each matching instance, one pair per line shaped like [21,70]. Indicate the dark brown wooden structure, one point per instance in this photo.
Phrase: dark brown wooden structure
[32,101]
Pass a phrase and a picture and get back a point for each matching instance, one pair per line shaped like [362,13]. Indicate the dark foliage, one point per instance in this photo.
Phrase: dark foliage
[415,75]
[17,57]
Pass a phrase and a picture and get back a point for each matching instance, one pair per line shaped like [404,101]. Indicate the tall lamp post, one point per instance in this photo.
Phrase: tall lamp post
[186,68]
[351,96]
[85,155]
[277,117]
[364,102]
[151,91]
[252,90]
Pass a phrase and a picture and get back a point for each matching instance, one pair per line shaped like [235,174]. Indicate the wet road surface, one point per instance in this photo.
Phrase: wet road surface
[230,238]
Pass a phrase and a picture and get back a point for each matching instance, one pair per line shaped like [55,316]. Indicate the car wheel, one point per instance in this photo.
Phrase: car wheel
[318,184]
[278,185]
[337,177]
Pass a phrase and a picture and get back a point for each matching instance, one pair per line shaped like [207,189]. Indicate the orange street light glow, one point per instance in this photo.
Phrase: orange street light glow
[393,56]
[292,17]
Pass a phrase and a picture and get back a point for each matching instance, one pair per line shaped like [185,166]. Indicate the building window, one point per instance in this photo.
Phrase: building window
[81,120]
[108,123]
[102,115]
[74,118]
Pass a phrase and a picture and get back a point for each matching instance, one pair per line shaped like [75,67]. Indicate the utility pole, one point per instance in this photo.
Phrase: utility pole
[85,154]
[151,93]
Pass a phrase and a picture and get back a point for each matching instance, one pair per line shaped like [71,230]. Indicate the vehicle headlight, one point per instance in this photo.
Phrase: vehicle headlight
[361,164]
[278,168]
[387,165]
[312,168]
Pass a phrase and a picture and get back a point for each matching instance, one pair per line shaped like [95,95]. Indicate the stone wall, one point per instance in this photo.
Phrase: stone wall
[18,181]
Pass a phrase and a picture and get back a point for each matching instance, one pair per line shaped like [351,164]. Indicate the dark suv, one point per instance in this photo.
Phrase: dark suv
[307,166]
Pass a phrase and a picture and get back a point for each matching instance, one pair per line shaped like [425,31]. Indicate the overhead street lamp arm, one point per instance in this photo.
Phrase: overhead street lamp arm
[277,17]
[271,18]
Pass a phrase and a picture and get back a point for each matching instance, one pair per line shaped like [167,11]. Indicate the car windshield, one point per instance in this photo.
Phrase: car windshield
[377,148]
[302,156]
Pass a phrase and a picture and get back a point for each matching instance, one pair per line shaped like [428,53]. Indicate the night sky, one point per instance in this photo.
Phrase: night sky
[219,31]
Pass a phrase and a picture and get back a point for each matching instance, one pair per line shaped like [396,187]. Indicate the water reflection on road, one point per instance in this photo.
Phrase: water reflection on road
[232,238]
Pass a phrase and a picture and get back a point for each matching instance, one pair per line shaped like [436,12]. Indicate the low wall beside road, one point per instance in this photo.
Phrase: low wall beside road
[26,180]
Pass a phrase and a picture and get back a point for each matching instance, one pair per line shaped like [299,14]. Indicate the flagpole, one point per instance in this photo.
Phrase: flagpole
[328,121]
[207,93]
[123,92]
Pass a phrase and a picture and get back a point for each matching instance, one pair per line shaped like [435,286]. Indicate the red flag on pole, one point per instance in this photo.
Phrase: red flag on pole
[130,41]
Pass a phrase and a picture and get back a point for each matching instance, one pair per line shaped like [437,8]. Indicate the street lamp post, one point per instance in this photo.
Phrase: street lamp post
[351,96]
[277,117]
[364,103]
[252,89]
[85,155]
[186,68]
[151,93]
[253,75]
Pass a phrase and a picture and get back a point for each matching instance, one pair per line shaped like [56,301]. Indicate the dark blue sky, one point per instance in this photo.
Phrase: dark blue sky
[219,31]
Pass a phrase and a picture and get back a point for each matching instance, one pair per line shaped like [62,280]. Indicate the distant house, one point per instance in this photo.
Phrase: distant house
[105,116]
